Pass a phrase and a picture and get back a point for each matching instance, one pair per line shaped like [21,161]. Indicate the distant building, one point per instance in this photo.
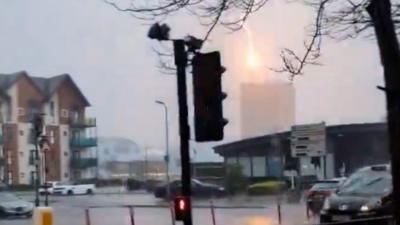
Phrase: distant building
[266,108]
[116,153]
[349,146]
[72,154]
[139,169]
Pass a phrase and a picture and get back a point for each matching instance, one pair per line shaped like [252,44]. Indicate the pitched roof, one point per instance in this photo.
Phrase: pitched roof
[47,86]
[7,80]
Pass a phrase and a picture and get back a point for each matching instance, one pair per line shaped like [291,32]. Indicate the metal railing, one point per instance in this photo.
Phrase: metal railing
[83,142]
[167,205]
[85,122]
[82,163]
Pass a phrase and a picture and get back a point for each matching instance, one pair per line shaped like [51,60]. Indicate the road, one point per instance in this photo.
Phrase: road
[70,210]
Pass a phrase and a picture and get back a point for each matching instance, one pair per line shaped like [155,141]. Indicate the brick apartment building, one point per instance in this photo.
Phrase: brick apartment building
[72,154]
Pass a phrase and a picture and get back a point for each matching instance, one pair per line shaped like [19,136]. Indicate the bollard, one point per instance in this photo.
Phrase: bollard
[43,216]
[132,215]
[212,212]
[87,216]
[279,213]
[171,208]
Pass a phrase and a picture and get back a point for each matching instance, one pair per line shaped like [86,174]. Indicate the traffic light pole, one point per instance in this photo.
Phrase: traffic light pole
[181,63]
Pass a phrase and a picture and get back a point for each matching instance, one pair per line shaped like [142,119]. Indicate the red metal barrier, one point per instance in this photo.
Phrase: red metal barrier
[87,216]
[212,212]
[132,215]
[279,213]
[171,209]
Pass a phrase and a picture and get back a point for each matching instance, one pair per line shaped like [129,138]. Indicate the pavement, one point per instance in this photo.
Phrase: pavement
[108,209]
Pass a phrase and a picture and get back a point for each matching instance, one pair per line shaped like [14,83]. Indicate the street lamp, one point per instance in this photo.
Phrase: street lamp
[166,144]
[44,142]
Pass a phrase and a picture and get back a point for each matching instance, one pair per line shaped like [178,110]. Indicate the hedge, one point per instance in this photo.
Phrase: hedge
[267,188]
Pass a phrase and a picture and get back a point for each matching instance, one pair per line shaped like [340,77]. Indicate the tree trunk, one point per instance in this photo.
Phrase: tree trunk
[380,12]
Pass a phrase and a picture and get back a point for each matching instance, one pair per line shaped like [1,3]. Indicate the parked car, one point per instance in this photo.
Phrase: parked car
[3,186]
[366,194]
[321,190]
[306,182]
[199,189]
[48,187]
[74,189]
[11,205]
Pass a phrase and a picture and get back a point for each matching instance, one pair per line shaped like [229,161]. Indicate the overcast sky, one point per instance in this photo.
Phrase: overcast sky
[108,55]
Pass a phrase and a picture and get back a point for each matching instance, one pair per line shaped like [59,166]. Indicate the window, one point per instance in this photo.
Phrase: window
[259,166]
[52,109]
[65,153]
[32,136]
[66,175]
[244,162]
[65,133]
[74,115]
[33,109]
[64,113]
[21,133]
[21,112]
[32,157]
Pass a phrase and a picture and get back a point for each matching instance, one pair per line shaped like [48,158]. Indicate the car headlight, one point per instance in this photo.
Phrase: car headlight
[221,189]
[327,204]
[364,208]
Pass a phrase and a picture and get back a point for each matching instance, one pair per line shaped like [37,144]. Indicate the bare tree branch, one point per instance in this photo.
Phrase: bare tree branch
[338,19]
[293,64]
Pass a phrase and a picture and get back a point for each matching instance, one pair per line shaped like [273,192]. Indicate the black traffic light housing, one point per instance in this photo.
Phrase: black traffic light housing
[159,32]
[182,208]
[208,96]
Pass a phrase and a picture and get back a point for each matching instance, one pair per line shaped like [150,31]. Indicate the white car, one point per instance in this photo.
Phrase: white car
[74,189]
[50,187]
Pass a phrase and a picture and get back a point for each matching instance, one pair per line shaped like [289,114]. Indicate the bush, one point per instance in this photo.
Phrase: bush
[235,181]
[267,188]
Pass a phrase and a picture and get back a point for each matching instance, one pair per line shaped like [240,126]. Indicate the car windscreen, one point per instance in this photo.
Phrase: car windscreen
[325,185]
[7,197]
[367,183]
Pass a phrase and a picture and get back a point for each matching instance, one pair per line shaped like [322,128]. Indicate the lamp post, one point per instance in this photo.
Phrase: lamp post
[166,146]
[38,124]
[45,148]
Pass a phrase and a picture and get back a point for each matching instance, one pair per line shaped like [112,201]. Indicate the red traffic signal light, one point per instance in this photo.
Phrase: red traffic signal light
[182,205]
[182,208]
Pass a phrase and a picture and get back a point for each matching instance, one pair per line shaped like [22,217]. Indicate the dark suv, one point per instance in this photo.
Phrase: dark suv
[365,197]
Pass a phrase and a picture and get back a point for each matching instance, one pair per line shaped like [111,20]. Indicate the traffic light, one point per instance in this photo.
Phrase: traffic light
[182,208]
[208,96]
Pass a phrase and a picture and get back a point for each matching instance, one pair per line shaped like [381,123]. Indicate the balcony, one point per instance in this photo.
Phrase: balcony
[83,123]
[83,142]
[83,163]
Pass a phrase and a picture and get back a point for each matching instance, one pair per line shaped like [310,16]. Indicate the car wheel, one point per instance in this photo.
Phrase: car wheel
[70,192]
[89,192]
